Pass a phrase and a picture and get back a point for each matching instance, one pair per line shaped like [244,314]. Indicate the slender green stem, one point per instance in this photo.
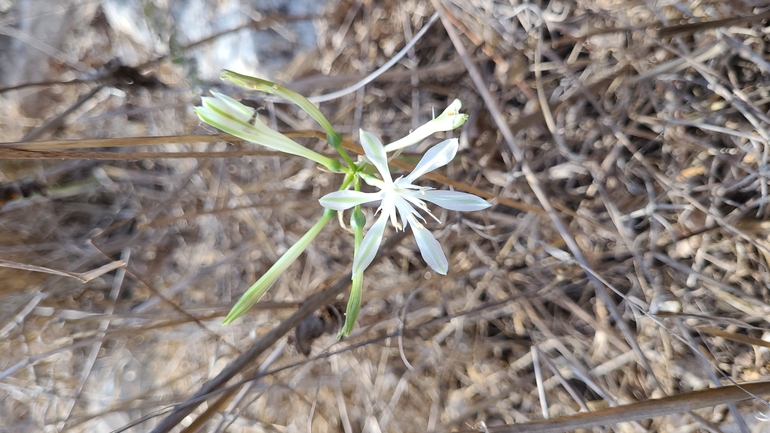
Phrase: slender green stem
[348,178]
[357,222]
[346,158]
[335,140]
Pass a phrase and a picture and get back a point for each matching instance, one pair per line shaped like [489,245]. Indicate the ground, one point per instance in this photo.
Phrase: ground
[623,262]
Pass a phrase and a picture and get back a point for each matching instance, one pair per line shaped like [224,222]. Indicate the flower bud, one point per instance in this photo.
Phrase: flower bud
[449,119]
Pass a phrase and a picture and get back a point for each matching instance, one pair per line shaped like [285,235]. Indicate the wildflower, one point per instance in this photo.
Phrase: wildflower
[399,199]
[234,118]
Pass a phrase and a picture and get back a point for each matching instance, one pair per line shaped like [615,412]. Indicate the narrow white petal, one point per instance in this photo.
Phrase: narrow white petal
[369,245]
[430,248]
[452,109]
[230,125]
[376,154]
[406,211]
[454,200]
[413,198]
[259,134]
[341,200]
[437,156]
[448,120]
[388,208]
[373,181]
[234,105]
[224,109]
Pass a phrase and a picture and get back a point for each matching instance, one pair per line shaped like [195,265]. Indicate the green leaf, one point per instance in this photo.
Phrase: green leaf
[259,288]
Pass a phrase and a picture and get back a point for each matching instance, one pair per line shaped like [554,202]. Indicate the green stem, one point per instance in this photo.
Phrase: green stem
[354,305]
[335,140]
[348,178]
[346,158]
[357,222]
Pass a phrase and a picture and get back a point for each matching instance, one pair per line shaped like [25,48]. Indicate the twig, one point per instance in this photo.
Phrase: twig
[82,276]
[312,304]
[534,184]
[641,410]
[371,77]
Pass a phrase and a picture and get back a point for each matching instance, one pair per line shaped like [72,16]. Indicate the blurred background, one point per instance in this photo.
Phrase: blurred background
[644,123]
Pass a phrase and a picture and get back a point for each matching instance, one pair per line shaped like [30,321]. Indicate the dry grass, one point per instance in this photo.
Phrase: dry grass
[624,144]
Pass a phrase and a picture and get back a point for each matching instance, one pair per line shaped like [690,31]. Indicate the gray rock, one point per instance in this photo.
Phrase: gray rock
[249,50]
[30,34]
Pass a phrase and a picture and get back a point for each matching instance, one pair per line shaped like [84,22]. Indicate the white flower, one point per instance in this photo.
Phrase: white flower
[234,118]
[399,199]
